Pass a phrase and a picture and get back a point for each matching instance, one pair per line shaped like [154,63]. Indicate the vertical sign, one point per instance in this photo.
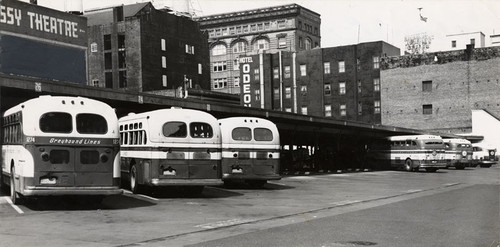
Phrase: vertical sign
[246,88]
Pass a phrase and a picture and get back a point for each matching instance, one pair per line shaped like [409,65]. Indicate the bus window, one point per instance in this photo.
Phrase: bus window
[201,130]
[263,134]
[56,122]
[87,123]
[175,129]
[242,134]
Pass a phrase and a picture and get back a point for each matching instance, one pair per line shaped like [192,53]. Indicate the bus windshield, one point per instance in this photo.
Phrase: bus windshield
[242,134]
[263,134]
[175,129]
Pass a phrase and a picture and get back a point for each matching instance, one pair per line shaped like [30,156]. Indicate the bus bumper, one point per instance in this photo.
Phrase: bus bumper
[437,164]
[63,191]
[227,176]
[184,182]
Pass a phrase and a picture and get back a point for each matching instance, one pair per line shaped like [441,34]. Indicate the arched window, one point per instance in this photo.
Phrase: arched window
[261,44]
[308,44]
[239,47]
[219,49]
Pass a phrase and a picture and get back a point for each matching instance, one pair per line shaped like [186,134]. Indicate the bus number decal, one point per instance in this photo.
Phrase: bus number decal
[30,139]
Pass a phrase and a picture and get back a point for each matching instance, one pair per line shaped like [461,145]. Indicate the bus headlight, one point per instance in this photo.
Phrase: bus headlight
[45,157]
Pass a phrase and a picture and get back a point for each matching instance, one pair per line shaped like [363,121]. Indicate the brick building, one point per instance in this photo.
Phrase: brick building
[239,34]
[43,43]
[340,82]
[137,47]
[437,91]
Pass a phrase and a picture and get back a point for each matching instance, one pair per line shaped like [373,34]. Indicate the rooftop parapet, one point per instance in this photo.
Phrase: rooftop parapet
[440,57]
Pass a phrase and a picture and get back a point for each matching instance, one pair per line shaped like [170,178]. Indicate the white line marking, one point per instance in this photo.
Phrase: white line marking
[342,203]
[413,191]
[223,223]
[140,195]
[15,207]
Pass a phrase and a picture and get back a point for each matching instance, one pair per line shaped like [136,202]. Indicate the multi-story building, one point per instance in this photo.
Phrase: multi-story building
[40,42]
[495,39]
[137,47]
[240,34]
[339,82]
[437,91]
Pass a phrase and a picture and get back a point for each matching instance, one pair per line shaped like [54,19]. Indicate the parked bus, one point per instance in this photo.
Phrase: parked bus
[250,150]
[170,147]
[458,153]
[483,155]
[409,152]
[60,146]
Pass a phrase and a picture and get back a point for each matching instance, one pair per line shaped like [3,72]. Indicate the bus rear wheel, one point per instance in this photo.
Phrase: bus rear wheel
[134,186]
[14,196]
[408,165]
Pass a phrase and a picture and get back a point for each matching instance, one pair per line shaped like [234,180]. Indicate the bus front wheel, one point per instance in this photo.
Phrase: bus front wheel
[14,196]
[408,165]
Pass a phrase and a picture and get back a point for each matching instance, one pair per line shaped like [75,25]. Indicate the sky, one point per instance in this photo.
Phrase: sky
[346,22]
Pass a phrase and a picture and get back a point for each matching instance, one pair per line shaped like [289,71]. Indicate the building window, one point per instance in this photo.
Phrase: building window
[281,23]
[108,79]
[122,62]
[288,93]
[257,94]
[95,83]
[236,64]
[341,88]
[472,41]
[164,62]
[341,66]
[276,73]
[256,74]
[108,64]
[288,109]
[303,90]
[220,66]
[287,71]
[253,28]
[360,108]
[328,110]
[163,45]
[376,62]
[427,109]
[358,64]
[326,67]
[239,47]
[122,79]
[261,44]
[427,86]
[328,89]
[164,80]
[189,49]
[93,47]
[236,81]
[276,93]
[343,110]
[200,69]
[220,83]
[376,107]
[359,86]
[219,49]
[376,84]
[301,43]
[308,44]
[303,70]
[107,42]
[303,110]
[282,42]
[453,44]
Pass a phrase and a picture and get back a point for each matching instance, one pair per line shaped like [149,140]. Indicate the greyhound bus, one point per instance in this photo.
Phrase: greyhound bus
[410,152]
[170,147]
[458,153]
[56,145]
[250,150]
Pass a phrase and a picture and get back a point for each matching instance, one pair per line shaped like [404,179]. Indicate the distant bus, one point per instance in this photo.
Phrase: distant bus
[250,150]
[458,153]
[60,146]
[170,147]
[410,152]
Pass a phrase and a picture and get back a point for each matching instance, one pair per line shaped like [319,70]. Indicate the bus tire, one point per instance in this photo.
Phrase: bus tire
[134,186]
[408,165]
[14,196]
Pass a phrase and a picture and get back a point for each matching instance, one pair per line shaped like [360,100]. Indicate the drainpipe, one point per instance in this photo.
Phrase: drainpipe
[294,62]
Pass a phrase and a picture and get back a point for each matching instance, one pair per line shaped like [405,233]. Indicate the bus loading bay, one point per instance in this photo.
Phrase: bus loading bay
[371,208]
